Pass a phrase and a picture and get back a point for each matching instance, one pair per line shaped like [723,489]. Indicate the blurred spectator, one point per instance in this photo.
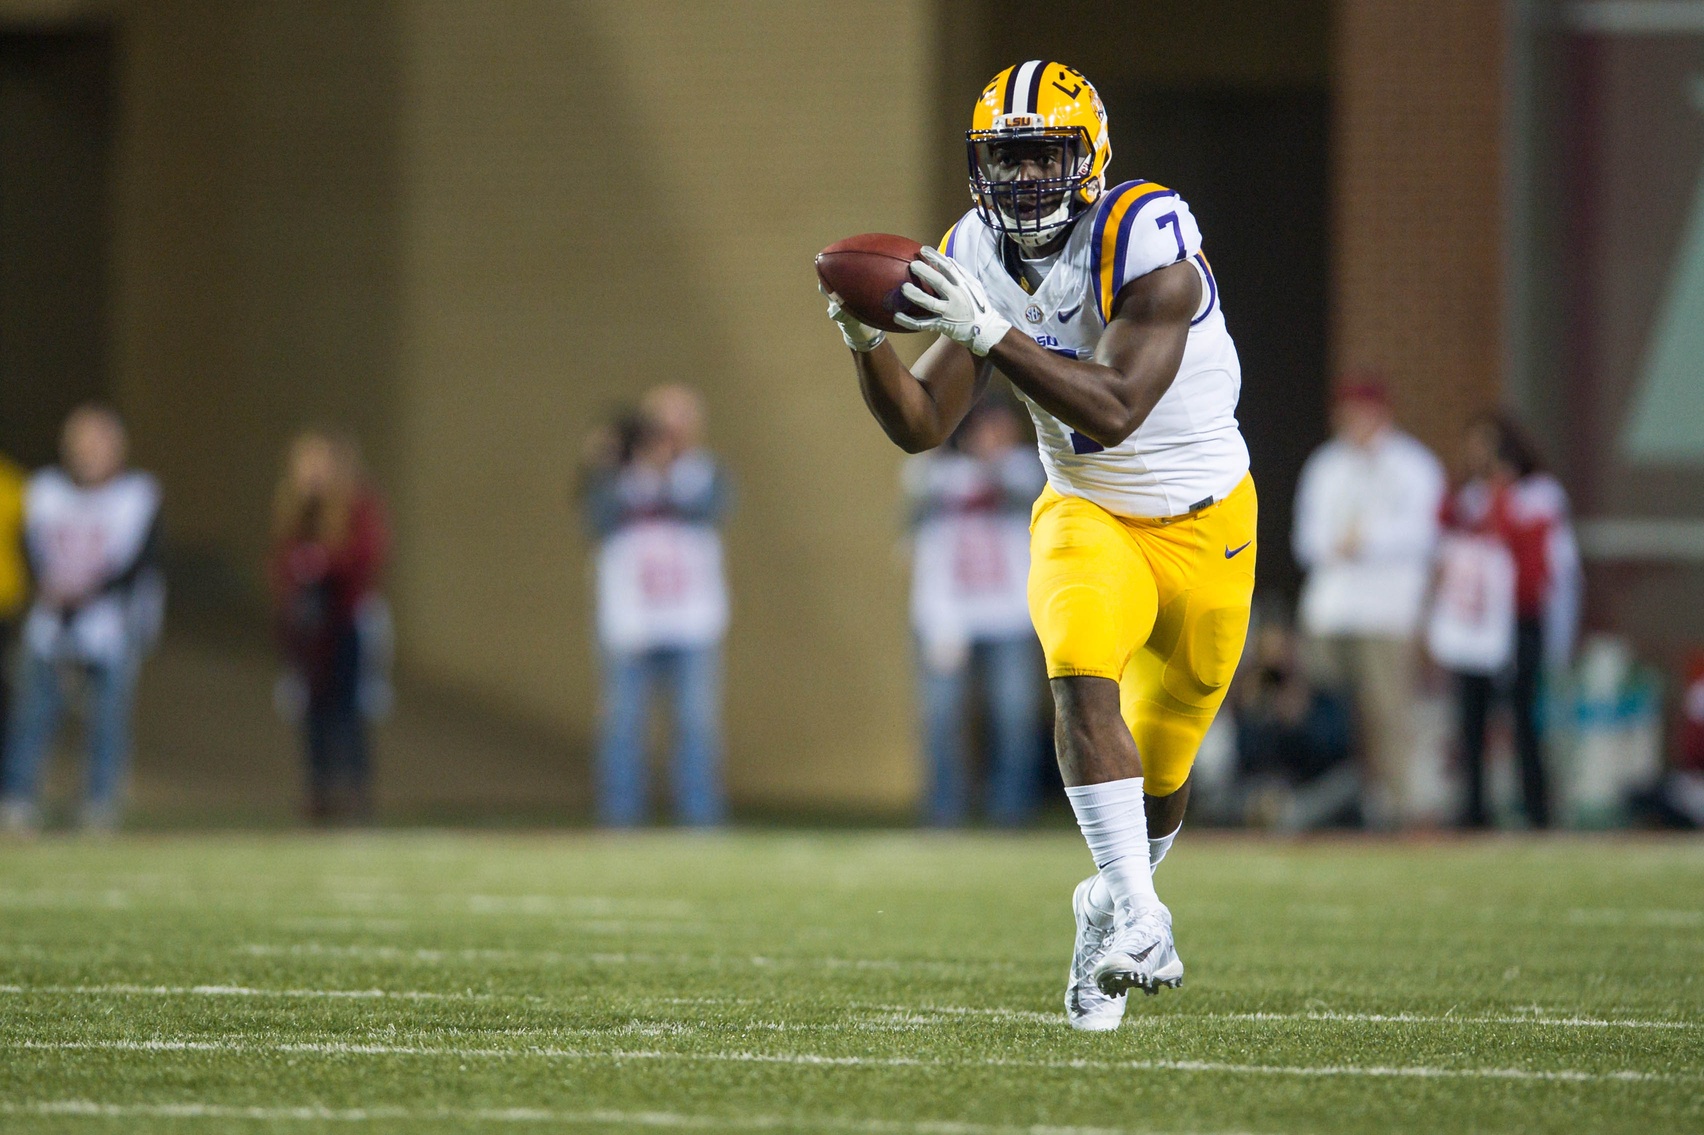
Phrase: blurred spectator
[654,499]
[970,506]
[14,575]
[1676,800]
[1366,522]
[1508,549]
[1292,740]
[330,541]
[90,533]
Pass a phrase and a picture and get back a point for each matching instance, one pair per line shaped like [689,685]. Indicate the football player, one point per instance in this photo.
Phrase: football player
[1099,306]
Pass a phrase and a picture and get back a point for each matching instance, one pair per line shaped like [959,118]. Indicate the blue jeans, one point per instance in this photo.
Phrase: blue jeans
[35,719]
[691,677]
[1011,686]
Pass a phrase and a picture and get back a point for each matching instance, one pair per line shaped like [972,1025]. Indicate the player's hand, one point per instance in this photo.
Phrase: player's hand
[960,303]
[860,336]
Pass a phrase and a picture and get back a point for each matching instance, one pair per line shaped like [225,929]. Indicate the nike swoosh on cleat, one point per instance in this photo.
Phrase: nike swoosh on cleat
[1144,953]
[1229,552]
[1067,316]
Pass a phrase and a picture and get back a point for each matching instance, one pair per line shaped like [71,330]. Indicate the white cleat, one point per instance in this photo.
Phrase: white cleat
[1086,1007]
[1141,955]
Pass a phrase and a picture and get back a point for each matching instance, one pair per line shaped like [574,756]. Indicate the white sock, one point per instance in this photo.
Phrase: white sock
[1100,901]
[1116,829]
[1157,848]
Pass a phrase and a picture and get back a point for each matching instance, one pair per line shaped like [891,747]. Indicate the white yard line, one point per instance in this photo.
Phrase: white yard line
[599,1118]
[1447,1019]
[430,956]
[815,1060]
[371,892]
[597,905]
[234,991]
[1617,916]
[553,957]
[345,924]
[920,1014]
[894,1014]
[49,898]
[595,910]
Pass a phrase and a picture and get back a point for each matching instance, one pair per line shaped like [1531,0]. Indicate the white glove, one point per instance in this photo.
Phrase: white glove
[860,336]
[962,311]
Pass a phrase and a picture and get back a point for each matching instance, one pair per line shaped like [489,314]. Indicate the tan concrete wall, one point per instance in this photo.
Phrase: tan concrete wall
[1418,205]
[470,231]
[599,197]
[254,220]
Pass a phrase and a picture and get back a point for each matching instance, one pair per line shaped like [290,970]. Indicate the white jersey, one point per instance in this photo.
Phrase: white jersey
[1189,451]
[659,573]
[970,551]
[92,543]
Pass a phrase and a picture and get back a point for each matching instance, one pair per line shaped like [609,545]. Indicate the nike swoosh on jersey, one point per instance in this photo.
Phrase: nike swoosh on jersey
[1229,552]
[1067,316]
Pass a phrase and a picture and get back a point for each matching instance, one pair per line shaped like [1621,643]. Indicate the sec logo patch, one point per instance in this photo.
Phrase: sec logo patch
[1033,313]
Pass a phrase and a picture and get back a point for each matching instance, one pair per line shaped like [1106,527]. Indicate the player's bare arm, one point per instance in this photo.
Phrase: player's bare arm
[1107,398]
[920,407]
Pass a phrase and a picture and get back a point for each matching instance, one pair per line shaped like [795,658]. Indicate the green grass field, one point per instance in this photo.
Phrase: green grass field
[845,982]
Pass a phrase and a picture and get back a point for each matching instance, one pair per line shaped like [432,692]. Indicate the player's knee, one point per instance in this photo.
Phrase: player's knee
[1089,722]
[1165,779]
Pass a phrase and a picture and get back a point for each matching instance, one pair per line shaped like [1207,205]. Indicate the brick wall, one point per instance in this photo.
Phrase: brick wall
[1417,287]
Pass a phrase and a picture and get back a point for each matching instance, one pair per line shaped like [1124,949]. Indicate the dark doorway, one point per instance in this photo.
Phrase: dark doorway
[1253,166]
[55,141]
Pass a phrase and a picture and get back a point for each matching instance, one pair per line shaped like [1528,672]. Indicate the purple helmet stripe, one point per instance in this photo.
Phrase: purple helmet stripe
[1011,89]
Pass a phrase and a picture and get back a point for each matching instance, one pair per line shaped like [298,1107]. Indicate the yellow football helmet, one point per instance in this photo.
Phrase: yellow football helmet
[1038,150]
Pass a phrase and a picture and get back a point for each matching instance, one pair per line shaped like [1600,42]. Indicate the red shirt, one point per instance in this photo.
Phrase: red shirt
[316,588]
[1525,515]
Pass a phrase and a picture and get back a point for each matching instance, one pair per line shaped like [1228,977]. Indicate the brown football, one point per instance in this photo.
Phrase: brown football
[866,272]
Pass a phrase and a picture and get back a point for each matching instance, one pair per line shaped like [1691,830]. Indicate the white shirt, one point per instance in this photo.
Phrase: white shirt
[970,552]
[1189,450]
[80,539]
[1386,498]
[660,581]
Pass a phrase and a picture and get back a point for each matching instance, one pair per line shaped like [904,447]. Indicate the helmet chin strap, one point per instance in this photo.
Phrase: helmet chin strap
[1043,231]
[1029,242]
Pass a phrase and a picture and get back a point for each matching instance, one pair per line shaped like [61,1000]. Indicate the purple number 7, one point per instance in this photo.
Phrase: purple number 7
[1177,231]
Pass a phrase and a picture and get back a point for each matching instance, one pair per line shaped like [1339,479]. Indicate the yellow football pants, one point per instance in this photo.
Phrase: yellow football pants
[1159,606]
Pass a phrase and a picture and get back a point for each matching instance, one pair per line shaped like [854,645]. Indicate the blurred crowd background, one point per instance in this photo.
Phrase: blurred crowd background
[422,410]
